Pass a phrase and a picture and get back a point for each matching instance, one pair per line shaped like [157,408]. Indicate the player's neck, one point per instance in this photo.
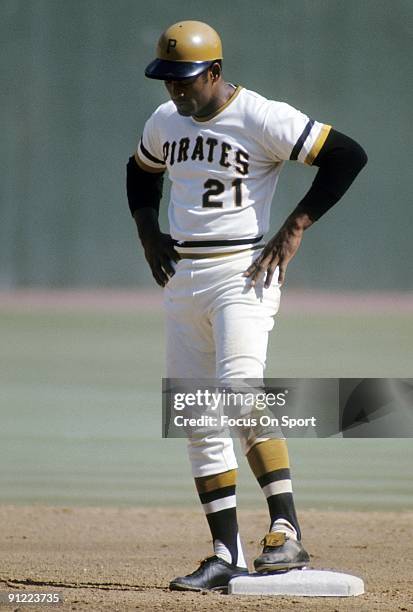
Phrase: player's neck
[223,93]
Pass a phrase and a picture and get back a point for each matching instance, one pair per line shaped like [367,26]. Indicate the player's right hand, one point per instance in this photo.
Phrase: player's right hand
[159,253]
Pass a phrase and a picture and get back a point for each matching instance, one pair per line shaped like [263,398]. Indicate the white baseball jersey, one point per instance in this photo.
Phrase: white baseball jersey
[224,168]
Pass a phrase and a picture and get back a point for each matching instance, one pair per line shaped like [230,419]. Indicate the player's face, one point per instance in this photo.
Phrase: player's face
[192,97]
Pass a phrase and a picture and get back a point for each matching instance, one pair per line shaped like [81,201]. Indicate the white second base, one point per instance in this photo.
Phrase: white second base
[306,582]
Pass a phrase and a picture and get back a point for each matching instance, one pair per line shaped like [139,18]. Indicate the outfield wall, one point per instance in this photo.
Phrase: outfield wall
[74,100]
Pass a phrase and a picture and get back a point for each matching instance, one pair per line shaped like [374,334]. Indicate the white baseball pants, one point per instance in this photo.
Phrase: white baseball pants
[217,327]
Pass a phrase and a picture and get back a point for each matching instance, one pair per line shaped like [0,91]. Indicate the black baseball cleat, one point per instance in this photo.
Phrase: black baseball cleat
[281,554]
[212,575]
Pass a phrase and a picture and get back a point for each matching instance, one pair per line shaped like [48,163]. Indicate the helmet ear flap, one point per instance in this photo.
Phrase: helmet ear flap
[184,50]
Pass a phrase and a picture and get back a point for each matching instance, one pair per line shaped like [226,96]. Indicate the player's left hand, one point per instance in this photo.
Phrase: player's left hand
[277,252]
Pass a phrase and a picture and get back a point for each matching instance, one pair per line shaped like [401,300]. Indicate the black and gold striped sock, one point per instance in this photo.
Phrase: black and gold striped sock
[217,495]
[271,466]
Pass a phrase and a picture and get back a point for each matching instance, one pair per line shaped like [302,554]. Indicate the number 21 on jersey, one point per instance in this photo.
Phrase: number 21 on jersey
[215,188]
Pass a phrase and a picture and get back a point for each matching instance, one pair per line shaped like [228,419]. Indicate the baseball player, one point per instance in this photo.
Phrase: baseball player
[223,147]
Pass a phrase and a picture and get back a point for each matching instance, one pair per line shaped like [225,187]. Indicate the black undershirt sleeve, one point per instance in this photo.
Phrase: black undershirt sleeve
[144,189]
[340,160]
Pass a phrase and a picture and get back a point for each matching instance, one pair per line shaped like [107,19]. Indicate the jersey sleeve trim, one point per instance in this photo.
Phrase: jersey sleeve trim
[145,167]
[300,142]
[317,146]
[149,159]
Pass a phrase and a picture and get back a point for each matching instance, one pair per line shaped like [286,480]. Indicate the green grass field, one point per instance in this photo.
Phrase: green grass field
[80,418]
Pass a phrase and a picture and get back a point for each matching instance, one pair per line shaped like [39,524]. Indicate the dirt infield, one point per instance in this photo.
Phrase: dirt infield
[122,559]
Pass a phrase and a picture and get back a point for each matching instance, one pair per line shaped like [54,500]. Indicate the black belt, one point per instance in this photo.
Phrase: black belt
[216,243]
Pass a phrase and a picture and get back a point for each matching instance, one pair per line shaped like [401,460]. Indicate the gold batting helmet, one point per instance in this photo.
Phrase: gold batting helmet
[184,50]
